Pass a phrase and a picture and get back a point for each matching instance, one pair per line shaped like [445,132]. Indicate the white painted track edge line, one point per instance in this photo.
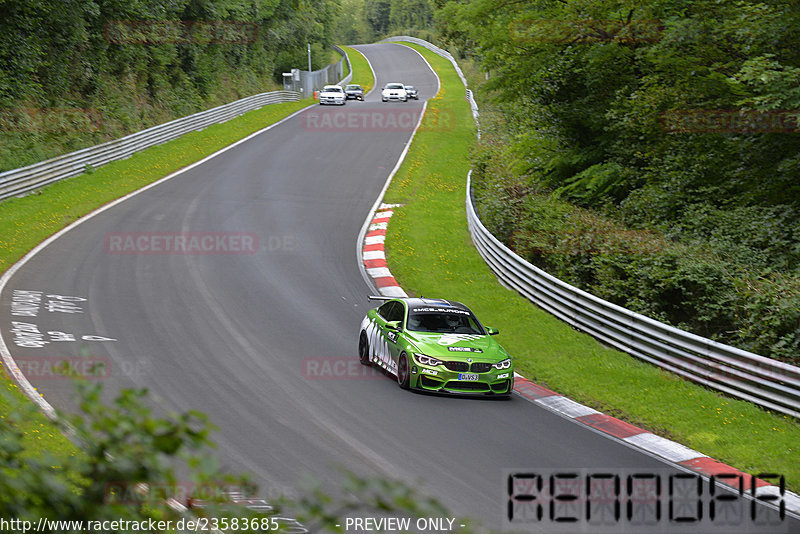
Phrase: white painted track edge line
[22,381]
[371,214]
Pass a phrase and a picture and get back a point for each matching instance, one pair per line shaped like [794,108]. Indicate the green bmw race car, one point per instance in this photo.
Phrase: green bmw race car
[435,345]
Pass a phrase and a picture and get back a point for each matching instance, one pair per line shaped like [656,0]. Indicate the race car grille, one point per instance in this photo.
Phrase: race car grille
[466,386]
[480,367]
[459,367]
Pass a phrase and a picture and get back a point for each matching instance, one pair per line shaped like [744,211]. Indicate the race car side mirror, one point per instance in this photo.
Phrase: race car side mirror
[393,325]
[492,331]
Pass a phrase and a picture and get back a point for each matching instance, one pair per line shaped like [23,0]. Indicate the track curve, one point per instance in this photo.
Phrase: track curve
[237,335]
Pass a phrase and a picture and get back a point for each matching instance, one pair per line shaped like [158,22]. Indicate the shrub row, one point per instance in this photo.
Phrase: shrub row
[722,289]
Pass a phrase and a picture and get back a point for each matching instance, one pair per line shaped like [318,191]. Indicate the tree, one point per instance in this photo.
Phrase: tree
[377,12]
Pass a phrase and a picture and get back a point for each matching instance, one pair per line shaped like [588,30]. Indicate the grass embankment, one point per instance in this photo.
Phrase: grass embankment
[430,252]
[362,74]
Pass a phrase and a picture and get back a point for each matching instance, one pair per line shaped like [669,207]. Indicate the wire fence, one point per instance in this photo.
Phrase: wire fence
[306,82]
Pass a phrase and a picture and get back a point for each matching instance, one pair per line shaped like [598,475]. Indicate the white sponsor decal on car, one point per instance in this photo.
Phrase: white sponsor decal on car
[379,347]
[464,349]
[442,310]
[449,339]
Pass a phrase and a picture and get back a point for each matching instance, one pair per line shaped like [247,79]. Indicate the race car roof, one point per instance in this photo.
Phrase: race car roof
[428,304]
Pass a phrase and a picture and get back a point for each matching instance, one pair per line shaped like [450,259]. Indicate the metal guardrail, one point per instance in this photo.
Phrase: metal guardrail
[346,59]
[18,181]
[769,383]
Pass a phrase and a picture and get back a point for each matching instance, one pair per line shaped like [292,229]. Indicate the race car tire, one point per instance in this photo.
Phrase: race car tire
[403,372]
[363,349]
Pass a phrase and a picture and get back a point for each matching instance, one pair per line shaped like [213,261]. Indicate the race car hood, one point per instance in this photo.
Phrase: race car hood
[480,348]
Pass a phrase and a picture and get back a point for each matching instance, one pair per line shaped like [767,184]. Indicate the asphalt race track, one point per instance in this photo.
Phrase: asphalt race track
[243,330]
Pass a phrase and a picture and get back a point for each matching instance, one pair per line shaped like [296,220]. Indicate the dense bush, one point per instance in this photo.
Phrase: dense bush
[668,118]
[729,287]
[78,72]
[126,463]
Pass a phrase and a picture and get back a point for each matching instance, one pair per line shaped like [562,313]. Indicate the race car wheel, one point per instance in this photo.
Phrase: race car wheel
[403,372]
[363,349]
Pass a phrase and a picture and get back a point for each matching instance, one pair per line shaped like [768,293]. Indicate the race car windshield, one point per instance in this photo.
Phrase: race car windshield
[444,322]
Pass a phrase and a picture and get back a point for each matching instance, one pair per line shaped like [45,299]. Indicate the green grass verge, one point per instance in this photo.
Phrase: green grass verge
[430,252]
[362,74]
[40,435]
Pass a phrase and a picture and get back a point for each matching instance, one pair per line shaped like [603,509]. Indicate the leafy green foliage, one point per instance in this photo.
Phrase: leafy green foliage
[589,95]
[74,73]
[122,446]
[127,466]
[364,21]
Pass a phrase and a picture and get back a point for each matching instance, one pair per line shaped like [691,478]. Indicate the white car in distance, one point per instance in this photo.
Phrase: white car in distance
[394,91]
[332,94]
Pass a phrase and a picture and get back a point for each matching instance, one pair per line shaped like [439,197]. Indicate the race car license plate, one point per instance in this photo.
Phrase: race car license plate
[468,376]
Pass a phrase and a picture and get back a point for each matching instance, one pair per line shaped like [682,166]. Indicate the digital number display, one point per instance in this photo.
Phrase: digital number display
[626,500]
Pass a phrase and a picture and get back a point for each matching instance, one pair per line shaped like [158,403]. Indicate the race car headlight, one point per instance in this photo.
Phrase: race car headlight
[426,360]
[505,364]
